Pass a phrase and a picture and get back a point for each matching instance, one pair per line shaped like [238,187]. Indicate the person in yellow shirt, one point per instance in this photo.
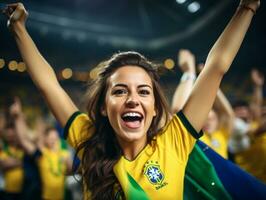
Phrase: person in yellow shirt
[52,160]
[54,163]
[11,159]
[248,116]
[253,160]
[252,157]
[218,126]
[129,125]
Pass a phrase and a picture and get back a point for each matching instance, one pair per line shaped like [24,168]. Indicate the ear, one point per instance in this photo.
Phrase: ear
[103,111]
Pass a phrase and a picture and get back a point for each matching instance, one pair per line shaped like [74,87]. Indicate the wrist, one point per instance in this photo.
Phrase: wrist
[16,27]
[246,7]
[188,76]
[249,6]
[191,70]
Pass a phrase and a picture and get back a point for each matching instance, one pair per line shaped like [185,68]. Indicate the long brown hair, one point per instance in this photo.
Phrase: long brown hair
[102,151]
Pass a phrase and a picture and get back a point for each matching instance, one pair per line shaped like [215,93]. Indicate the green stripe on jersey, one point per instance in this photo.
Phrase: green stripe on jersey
[135,191]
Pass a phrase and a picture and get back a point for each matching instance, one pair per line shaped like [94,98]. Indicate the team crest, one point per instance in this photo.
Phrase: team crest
[153,172]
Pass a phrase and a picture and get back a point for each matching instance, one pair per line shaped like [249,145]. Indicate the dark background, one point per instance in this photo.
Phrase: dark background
[80,33]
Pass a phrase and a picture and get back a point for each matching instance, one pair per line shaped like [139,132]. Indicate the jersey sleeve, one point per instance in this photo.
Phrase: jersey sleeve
[180,136]
[78,129]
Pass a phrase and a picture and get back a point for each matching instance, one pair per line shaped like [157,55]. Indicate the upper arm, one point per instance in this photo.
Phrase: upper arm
[59,102]
[202,96]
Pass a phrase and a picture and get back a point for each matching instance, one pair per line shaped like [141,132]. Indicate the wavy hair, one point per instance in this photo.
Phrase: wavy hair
[101,151]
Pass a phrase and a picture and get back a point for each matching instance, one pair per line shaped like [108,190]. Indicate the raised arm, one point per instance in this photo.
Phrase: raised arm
[257,96]
[21,127]
[186,62]
[39,69]
[225,111]
[218,62]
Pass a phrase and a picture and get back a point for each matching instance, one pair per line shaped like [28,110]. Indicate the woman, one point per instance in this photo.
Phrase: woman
[123,150]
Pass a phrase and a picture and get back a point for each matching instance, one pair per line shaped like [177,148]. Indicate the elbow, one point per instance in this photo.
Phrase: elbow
[220,64]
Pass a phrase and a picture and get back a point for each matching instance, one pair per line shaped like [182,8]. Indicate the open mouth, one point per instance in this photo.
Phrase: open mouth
[132,119]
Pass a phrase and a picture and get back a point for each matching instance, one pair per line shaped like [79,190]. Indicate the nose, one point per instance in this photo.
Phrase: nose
[132,101]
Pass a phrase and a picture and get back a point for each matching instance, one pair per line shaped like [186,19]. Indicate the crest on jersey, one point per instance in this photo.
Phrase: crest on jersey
[153,172]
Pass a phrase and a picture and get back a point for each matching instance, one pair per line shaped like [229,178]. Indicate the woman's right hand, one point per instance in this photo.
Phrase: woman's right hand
[16,13]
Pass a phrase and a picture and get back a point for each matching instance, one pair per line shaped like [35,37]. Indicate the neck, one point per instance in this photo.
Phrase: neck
[132,149]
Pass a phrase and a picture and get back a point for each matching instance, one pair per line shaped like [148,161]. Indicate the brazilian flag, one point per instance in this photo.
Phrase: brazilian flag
[209,176]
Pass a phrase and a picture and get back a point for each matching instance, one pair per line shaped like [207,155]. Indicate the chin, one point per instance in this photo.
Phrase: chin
[132,137]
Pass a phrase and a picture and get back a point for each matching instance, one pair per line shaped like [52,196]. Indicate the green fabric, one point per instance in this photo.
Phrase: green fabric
[135,191]
[201,180]
[63,144]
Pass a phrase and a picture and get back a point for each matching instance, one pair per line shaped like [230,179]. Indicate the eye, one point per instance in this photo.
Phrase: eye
[144,92]
[119,92]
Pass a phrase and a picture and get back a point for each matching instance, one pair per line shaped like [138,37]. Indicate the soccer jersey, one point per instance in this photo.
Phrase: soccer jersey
[52,169]
[158,170]
[13,177]
[253,160]
[218,141]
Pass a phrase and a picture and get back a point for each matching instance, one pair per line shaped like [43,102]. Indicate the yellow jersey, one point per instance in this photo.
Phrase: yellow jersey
[158,170]
[52,170]
[218,141]
[253,160]
[13,177]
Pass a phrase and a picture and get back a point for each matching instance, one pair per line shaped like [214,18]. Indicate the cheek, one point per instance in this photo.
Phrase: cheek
[113,106]
[150,105]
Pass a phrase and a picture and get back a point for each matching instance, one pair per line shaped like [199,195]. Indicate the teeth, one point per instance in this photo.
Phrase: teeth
[131,114]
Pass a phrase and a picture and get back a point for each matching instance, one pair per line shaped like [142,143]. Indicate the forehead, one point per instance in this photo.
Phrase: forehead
[130,75]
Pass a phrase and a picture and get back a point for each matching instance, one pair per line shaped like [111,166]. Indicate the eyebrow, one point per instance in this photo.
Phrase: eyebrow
[139,86]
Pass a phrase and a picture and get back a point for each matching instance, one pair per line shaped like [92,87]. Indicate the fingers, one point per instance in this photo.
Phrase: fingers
[14,11]
[8,9]
[186,60]
[16,14]
[257,77]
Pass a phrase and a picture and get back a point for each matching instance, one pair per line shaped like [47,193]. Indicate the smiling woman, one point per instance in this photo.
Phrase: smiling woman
[129,146]
[121,105]
[130,105]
